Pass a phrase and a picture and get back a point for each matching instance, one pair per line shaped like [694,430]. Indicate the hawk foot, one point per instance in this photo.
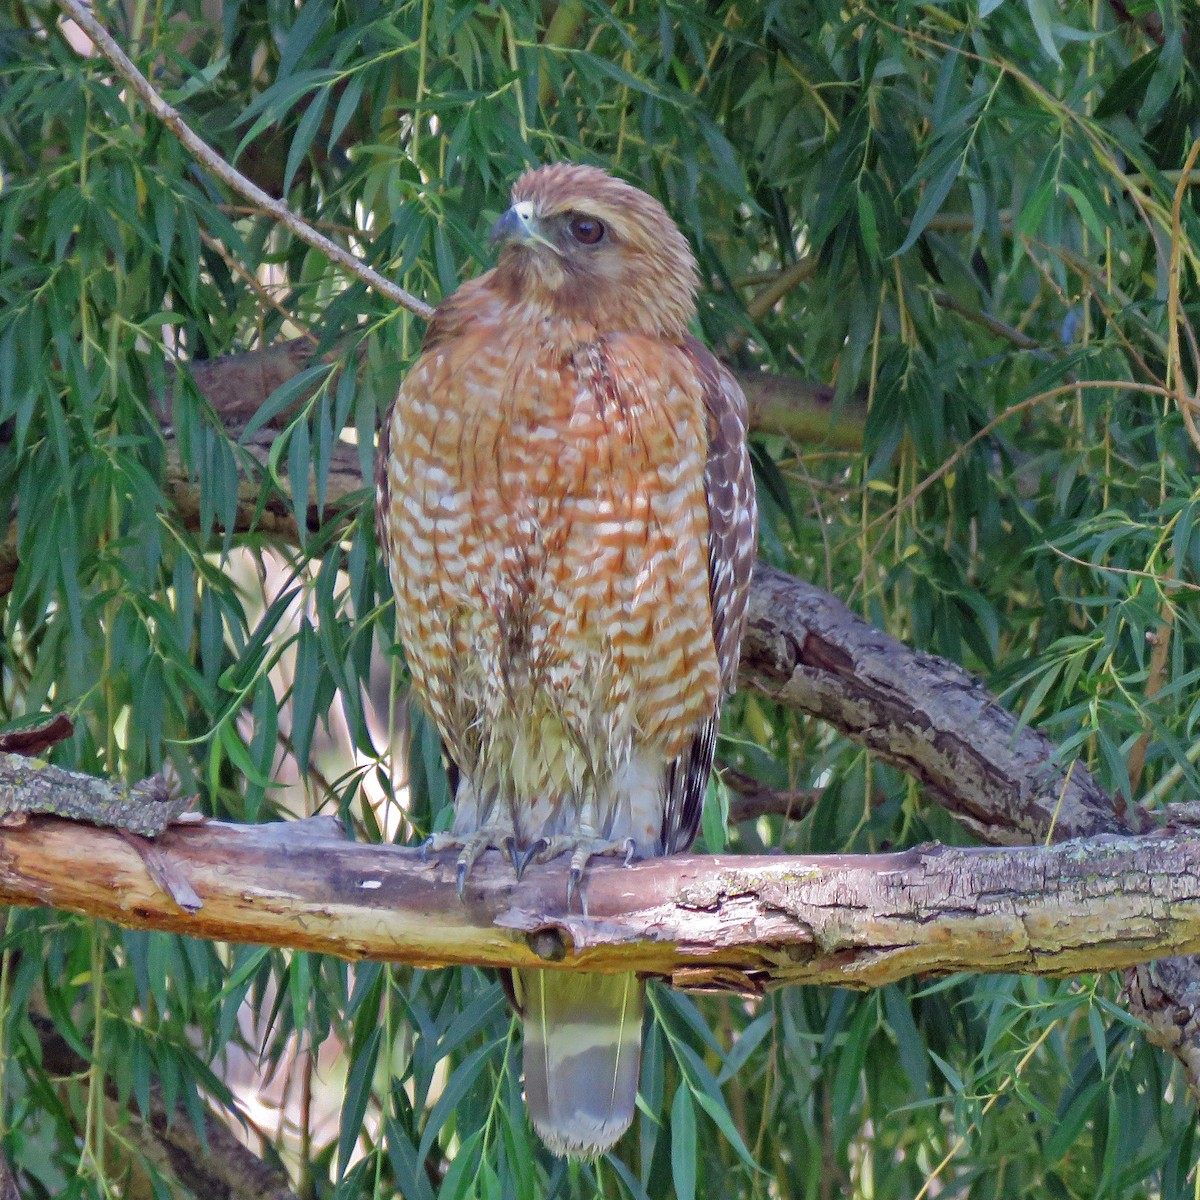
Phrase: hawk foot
[582,851]
[489,837]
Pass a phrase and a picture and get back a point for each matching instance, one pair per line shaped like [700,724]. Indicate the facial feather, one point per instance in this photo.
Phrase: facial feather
[640,276]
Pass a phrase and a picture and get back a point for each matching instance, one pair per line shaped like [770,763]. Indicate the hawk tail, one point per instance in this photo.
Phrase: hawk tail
[583,1045]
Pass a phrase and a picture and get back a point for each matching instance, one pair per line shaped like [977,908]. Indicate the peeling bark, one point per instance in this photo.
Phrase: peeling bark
[741,923]
[30,786]
[920,713]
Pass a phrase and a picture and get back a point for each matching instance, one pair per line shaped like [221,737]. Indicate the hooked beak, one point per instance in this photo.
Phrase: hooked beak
[520,226]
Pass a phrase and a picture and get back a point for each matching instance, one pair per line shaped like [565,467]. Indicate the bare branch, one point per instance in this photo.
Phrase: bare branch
[751,799]
[9,561]
[561,30]
[212,1164]
[934,721]
[993,325]
[923,714]
[8,1185]
[29,786]
[926,715]
[236,385]
[787,280]
[38,736]
[1150,24]
[212,161]
[802,410]
[745,923]
[1163,995]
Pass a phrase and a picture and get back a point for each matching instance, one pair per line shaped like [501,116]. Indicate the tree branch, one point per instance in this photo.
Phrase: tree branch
[923,714]
[828,667]
[561,31]
[1150,24]
[742,923]
[29,786]
[934,721]
[790,278]
[749,799]
[234,180]
[993,325]
[236,385]
[213,1165]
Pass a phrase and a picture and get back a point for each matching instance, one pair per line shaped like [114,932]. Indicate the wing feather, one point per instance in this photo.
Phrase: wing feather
[383,452]
[732,542]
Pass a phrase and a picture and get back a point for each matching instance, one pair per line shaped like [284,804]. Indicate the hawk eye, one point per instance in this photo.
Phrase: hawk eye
[587,230]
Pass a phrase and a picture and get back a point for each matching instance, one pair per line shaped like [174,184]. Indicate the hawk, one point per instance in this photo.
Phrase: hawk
[566,507]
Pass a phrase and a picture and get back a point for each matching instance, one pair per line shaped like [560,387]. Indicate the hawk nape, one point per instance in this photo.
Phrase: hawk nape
[566,504]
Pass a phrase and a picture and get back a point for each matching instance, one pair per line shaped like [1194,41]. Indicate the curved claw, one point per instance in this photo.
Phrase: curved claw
[487,837]
[510,847]
[574,885]
[438,841]
[528,855]
[433,845]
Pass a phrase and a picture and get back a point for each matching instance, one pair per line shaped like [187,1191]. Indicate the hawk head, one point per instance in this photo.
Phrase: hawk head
[588,246]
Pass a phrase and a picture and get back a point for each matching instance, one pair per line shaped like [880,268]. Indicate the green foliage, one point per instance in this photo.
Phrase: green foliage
[990,195]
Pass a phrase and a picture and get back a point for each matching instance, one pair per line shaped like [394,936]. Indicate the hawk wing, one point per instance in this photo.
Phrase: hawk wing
[383,451]
[732,542]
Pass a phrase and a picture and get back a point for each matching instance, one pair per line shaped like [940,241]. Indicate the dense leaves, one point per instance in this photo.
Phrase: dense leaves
[969,218]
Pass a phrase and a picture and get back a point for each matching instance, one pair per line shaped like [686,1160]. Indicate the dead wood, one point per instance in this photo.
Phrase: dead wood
[742,923]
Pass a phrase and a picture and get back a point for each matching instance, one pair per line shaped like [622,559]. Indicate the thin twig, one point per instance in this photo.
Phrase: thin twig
[751,799]
[787,279]
[1113,302]
[1029,402]
[1001,329]
[1150,24]
[256,286]
[1167,580]
[249,210]
[233,179]
[961,1140]
[1153,798]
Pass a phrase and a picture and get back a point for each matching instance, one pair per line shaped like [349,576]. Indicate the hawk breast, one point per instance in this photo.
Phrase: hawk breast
[548,526]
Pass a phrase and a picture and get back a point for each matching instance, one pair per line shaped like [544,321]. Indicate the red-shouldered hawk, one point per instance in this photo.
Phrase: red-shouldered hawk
[567,509]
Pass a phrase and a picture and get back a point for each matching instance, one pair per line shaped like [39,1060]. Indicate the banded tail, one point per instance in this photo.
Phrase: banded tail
[583,1048]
